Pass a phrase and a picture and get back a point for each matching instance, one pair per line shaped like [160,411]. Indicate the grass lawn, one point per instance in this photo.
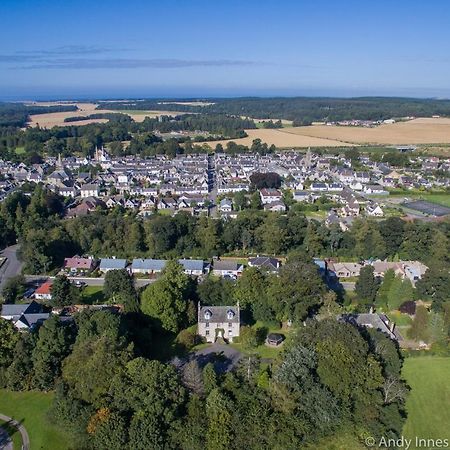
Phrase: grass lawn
[30,408]
[428,404]
[440,199]
[13,434]
[20,150]
[91,295]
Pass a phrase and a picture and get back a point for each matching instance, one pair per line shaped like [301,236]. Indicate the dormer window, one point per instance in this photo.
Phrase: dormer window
[230,314]
[208,314]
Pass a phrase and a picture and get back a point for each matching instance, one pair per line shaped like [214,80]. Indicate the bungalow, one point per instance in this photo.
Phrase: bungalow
[193,266]
[216,322]
[43,292]
[26,316]
[372,320]
[78,265]
[107,264]
[265,262]
[320,187]
[277,206]
[227,268]
[147,266]
[344,270]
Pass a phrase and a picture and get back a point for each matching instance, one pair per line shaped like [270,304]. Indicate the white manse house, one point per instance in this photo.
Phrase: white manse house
[218,322]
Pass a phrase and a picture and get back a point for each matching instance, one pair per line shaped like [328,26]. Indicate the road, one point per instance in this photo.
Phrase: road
[11,267]
[139,282]
[22,431]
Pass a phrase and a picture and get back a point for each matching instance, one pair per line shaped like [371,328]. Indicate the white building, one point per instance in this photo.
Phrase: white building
[216,322]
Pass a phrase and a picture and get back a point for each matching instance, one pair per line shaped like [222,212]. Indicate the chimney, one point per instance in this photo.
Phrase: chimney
[392,327]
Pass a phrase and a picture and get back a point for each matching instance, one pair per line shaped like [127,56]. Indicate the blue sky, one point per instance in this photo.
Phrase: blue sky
[196,48]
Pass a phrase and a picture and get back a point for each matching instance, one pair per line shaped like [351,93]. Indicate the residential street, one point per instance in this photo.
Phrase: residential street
[12,265]
[139,282]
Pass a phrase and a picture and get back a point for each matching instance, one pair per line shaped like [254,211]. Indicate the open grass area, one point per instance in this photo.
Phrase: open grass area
[92,295]
[13,433]
[19,150]
[428,404]
[31,408]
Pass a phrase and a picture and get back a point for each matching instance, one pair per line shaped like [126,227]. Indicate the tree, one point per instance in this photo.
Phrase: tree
[166,299]
[382,297]
[435,286]
[218,411]
[119,288]
[297,291]
[110,433]
[419,326]
[53,345]
[12,288]
[9,336]
[62,291]
[20,372]
[192,377]
[330,306]
[366,286]
[102,356]
[209,378]
[265,180]
[248,338]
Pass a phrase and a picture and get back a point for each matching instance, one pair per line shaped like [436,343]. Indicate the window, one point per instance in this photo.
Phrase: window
[207,325]
[230,324]
[230,332]
[207,333]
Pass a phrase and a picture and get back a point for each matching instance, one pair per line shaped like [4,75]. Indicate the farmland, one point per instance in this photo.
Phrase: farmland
[85,109]
[281,137]
[420,131]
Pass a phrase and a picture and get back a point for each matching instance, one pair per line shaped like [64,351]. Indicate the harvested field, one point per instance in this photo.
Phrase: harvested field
[85,109]
[282,138]
[416,131]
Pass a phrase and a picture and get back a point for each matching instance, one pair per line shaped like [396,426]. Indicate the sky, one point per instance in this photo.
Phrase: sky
[56,49]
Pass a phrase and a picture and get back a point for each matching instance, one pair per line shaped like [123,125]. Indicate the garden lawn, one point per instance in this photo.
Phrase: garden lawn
[31,408]
[92,295]
[428,404]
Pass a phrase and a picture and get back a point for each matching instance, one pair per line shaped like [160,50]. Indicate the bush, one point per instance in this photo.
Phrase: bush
[187,339]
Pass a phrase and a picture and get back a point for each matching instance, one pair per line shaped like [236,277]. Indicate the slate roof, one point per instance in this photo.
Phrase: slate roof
[192,264]
[148,264]
[265,262]
[110,263]
[219,314]
[226,265]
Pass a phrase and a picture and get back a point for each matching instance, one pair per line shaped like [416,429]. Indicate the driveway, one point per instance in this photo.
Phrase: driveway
[224,357]
[12,265]
[22,431]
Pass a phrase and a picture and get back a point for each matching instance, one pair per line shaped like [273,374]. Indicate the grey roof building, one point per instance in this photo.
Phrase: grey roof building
[112,264]
[218,322]
[25,316]
[148,265]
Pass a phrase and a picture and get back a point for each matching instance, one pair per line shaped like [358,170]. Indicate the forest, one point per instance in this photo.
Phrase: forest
[304,110]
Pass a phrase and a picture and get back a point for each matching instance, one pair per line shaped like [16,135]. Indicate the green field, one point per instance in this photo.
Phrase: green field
[428,404]
[20,150]
[30,408]
[92,295]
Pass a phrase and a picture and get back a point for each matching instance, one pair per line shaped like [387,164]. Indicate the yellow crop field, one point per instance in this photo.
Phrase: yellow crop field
[85,109]
[416,131]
